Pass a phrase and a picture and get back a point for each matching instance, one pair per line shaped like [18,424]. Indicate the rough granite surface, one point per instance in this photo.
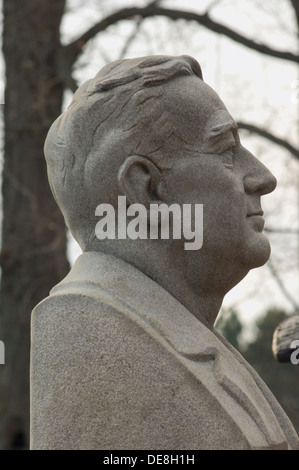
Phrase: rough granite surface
[124,353]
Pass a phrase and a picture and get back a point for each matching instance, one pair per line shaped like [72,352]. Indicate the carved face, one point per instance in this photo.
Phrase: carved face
[218,172]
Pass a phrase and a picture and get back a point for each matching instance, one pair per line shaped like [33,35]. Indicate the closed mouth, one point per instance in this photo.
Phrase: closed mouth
[254,214]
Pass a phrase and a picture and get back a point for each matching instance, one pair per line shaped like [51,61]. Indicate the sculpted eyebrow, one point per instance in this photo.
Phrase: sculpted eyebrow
[222,128]
[220,137]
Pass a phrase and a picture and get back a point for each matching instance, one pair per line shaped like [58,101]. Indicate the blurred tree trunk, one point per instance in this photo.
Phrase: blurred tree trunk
[33,257]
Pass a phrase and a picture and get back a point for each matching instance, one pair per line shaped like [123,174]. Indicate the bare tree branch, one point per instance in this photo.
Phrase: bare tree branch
[72,50]
[282,286]
[268,135]
[154,3]
[130,38]
[288,231]
[136,30]
[213,4]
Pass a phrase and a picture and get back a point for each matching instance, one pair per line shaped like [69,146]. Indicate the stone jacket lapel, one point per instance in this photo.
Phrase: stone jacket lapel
[209,357]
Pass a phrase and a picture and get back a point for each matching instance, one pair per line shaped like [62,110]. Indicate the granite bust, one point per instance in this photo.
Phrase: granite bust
[124,351]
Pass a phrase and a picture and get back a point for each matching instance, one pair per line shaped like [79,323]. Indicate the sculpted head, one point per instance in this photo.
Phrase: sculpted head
[122,112]
[152,130]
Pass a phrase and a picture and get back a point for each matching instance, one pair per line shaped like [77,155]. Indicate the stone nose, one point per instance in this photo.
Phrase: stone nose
[257,179]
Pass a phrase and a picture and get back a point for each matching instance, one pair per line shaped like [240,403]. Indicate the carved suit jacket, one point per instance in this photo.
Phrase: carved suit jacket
[118,363]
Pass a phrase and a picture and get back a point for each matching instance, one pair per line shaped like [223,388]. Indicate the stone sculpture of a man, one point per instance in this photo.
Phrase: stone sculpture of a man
[124,352]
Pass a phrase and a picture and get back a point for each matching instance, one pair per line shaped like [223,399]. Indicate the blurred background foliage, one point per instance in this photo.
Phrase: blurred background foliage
[281,378]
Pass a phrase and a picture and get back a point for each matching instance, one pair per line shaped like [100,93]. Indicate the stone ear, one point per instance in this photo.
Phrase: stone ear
[138,178]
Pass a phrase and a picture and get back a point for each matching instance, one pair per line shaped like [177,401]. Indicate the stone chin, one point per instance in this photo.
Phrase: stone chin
[257,253]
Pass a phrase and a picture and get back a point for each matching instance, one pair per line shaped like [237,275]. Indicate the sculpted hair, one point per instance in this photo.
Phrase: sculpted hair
[116,114]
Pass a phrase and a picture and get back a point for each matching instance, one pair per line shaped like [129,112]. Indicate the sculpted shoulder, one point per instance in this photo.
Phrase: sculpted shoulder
[143,361]
[141,392]
[124,354]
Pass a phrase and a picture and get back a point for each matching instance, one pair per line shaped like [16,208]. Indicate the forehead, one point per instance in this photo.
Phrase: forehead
[197,109]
